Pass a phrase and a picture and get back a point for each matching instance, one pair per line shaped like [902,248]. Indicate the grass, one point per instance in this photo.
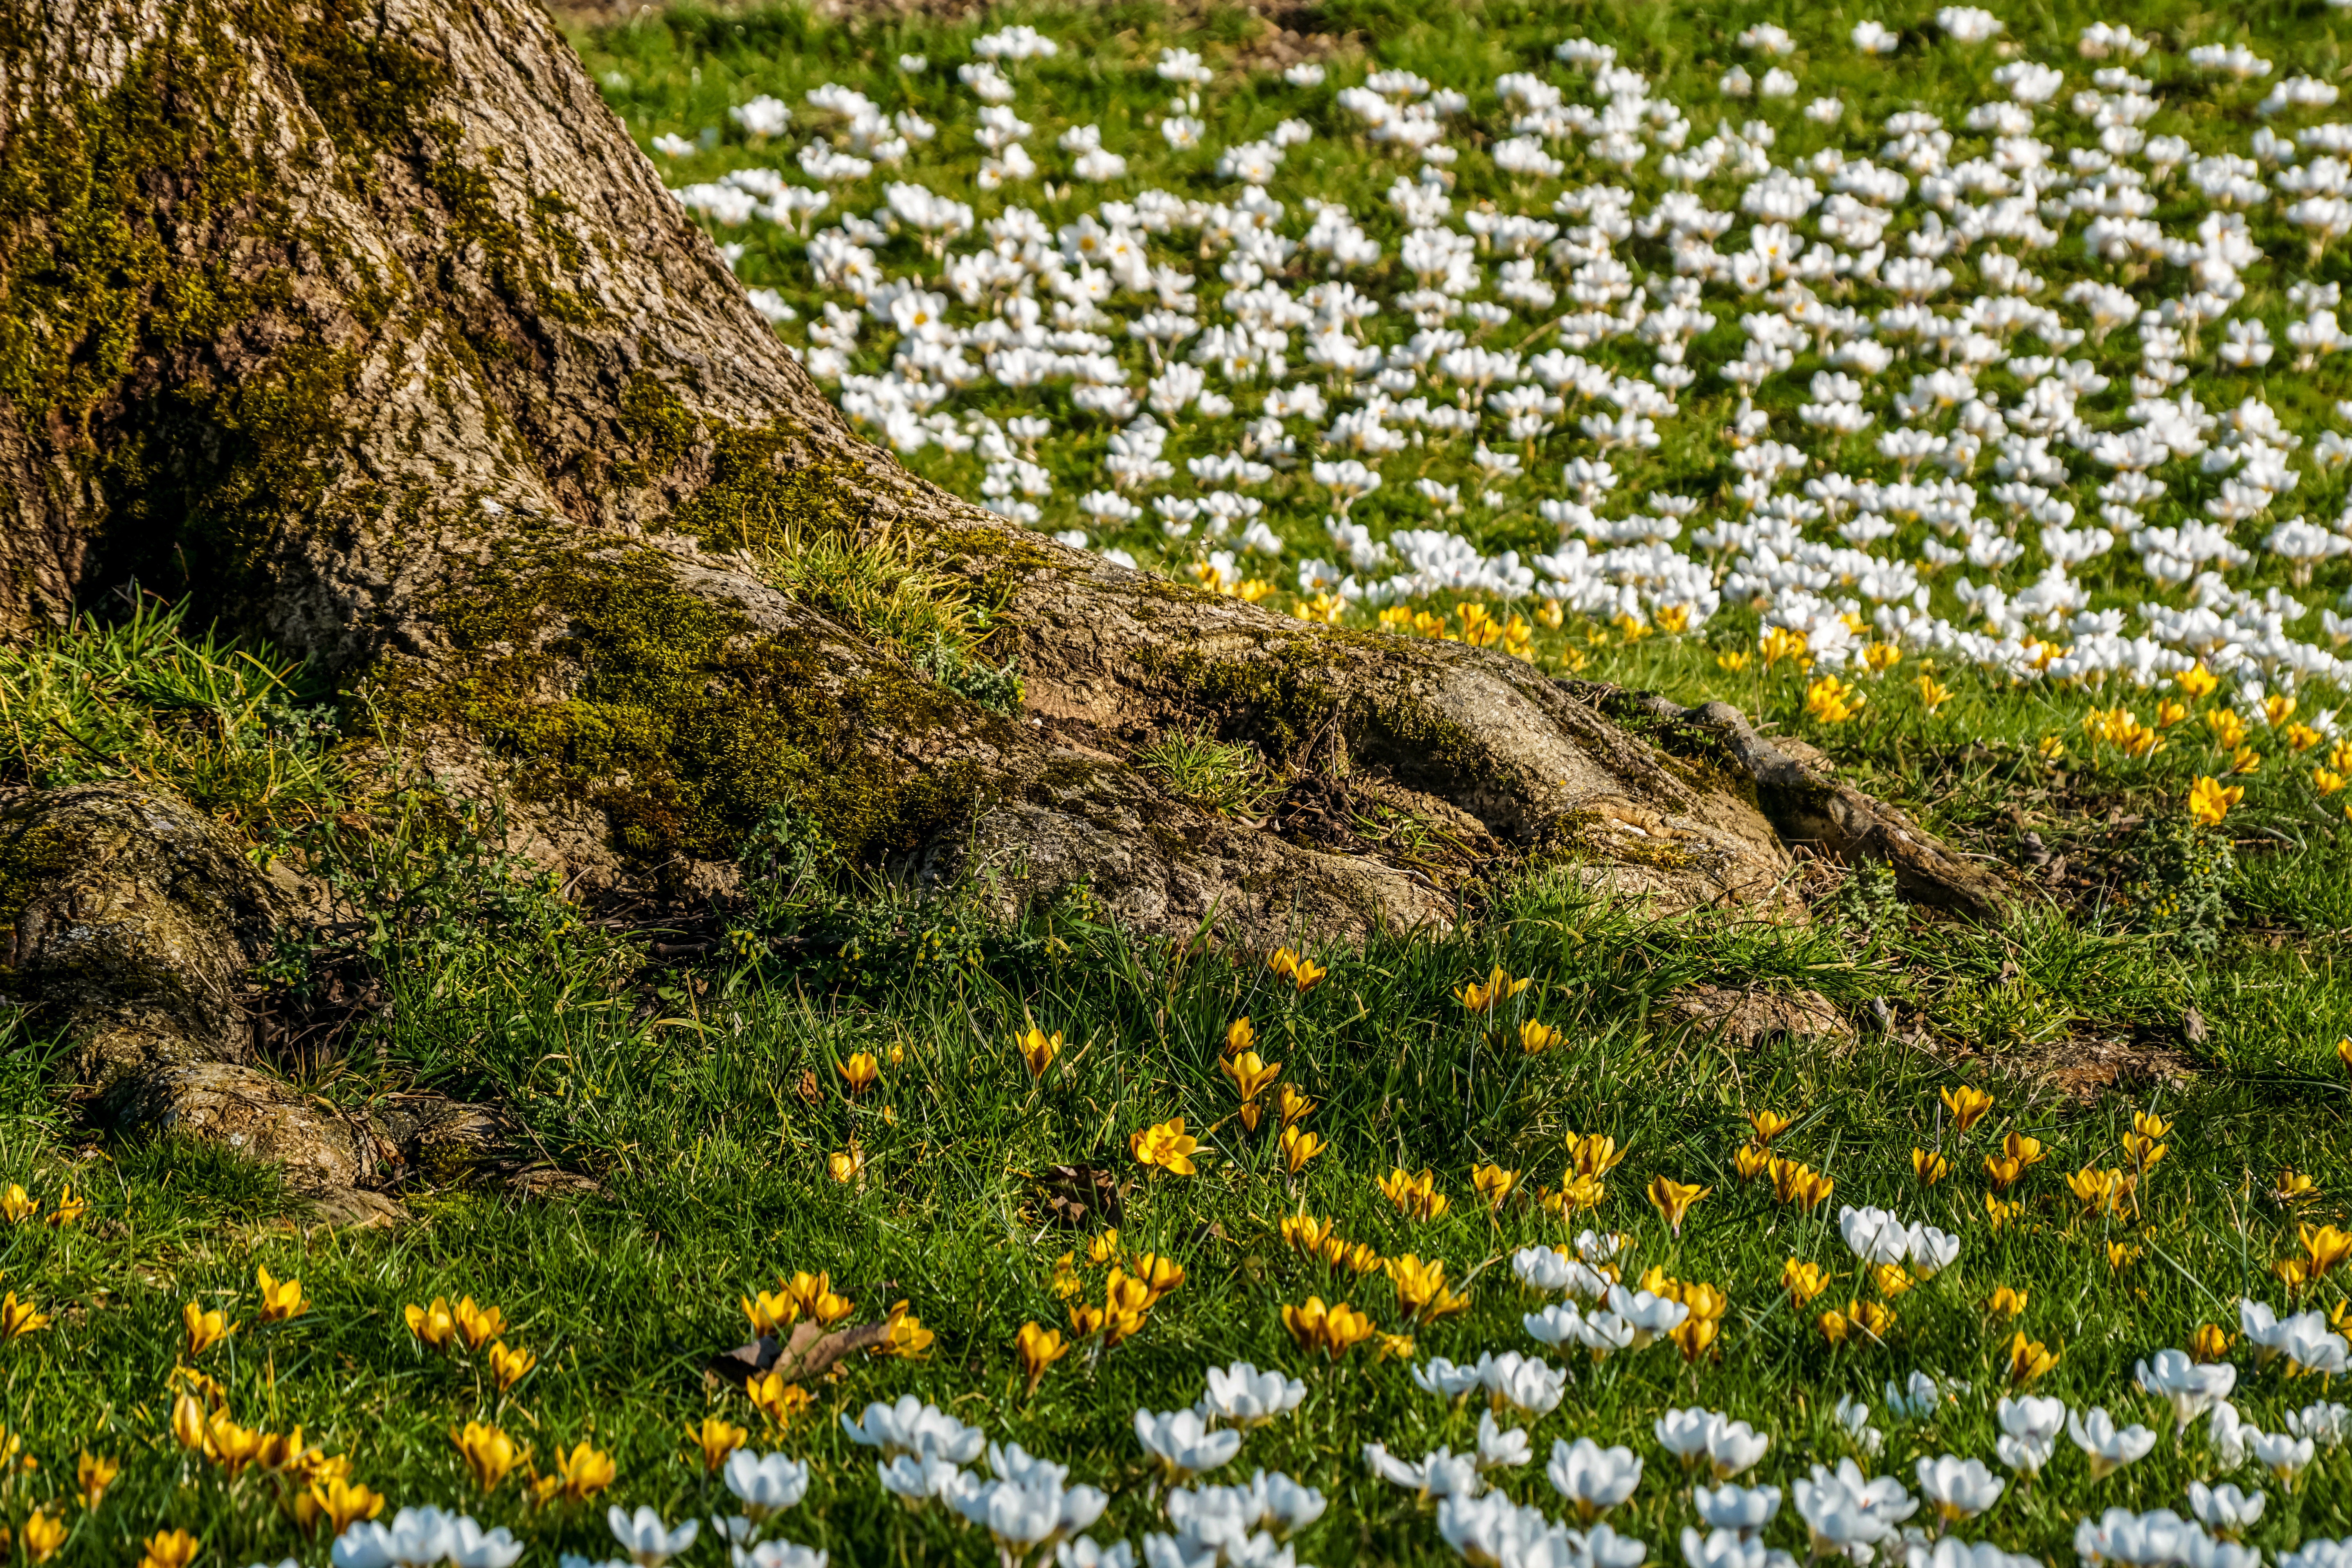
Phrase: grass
[706,1096]
[679,73]
[708,1118]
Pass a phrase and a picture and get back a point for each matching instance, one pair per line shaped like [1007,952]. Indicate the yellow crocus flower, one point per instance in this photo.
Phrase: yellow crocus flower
[344,1503]
[582,1472]
[1037,1049]
[170,1549]
[716,1437]
[92,1474]
[1967,1104]
[480,1325]
[1673,1200]
[43,1535]
[1039,1349]
[509,1366]
[1803,1282]
[2028,1358]
[204,1330]
[2210,800]
[1165,1147]
[19,1318]
[280,1298]
[1493,1183]
[489,1454]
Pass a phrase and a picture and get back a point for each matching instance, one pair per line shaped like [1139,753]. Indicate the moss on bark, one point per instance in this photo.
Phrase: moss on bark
[600,677]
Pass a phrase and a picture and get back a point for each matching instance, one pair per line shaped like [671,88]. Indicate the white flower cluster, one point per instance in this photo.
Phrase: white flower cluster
[1026,1503]
[2009,471]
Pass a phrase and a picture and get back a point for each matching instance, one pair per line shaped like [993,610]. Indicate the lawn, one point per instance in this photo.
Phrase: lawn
[2023,1160]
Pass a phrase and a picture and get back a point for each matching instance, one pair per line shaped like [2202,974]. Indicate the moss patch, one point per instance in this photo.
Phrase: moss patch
[1281,700]
[678,719]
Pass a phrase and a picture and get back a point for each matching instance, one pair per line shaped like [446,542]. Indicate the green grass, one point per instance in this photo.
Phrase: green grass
[704,1096]
[711,1156]
[678,72]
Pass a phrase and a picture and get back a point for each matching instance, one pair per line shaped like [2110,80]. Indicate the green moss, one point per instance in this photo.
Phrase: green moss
[142,226]
[1433,743]
[90,283]
[1281,700]
[755,497]
[31,858]
[368,90]
[683,722]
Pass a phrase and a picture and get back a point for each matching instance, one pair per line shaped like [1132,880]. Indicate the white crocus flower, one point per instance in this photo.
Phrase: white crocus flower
[1594,1478]
[1743,1509]
[1844,1510]
[1242,1394]
[1649,1316]
[2323,1423]
[2134,1539]
[415,1538]
[912,1426]
[2190,1388]
[1183,1443]
[648,1542]
[1439,1473]
[766,1484]
[2283,1453]
[2108,1448]
[2225,1510]
[1446,1379]
[1873,1235]
[1500,1447]
[777,1555]
[1522,1382]
[1960,1489]
[471,1546]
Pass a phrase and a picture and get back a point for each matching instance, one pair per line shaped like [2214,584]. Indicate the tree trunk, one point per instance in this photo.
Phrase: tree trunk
[367,326]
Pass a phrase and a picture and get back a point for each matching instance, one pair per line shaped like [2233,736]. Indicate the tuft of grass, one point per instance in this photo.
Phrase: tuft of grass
[242,732]
[877,587]
[1212,775]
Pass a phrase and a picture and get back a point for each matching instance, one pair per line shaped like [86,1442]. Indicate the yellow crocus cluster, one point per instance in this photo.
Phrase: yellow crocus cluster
[1697,1332]
[1333,1330]
[1869,1318]
[1794,1182]
[441,1325]
[1829,700]
[1497,988]
[1322,1238]
[18,1207]
[2102,1191]
[2324,1246]
[803,1294]
[580,1473]
[1421,1291]
[2210,800]
[1251,1076]
[1779,643]
[1302,971]
[1415,1197]
[2019,1153]
[2120,727]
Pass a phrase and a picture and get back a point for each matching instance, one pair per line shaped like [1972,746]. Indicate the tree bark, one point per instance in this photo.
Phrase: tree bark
[365,323]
